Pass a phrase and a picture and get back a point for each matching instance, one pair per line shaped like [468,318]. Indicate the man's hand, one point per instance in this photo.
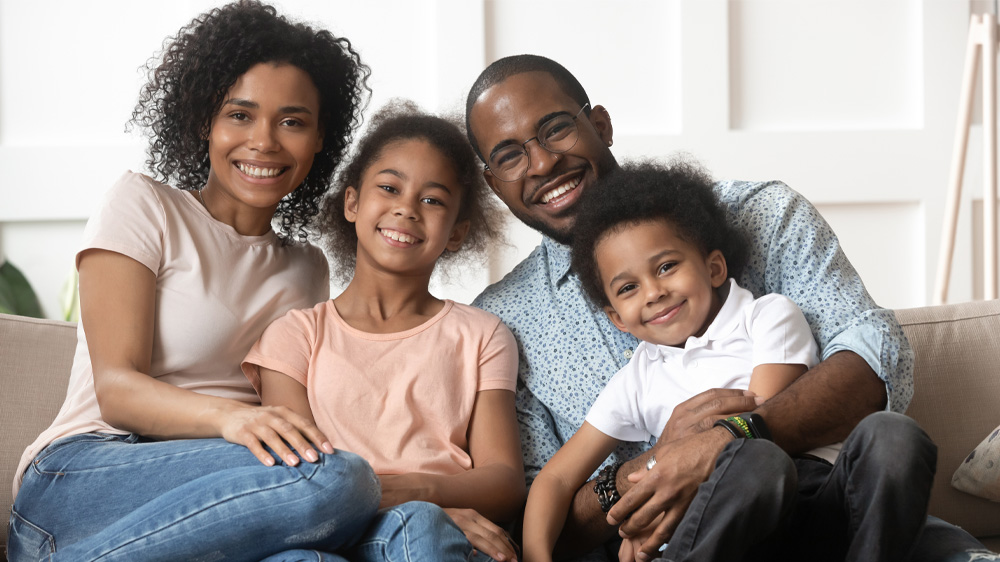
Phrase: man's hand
[631,547]
[667,489]
[699,413]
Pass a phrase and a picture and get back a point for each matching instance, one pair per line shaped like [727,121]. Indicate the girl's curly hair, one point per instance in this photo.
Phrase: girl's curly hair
[202,62]
[401,120]
[680,193]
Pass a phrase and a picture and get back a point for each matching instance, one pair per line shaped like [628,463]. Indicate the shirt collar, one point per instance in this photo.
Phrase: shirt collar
[726,321]
[558,260]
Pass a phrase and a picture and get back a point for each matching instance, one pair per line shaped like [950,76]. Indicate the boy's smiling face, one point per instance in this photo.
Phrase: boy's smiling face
[660,286]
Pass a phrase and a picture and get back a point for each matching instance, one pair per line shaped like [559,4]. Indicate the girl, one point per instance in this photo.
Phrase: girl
[652,247]
[422,388]
[162,450]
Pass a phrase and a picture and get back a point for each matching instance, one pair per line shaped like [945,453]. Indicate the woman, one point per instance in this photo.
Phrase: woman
[161,450]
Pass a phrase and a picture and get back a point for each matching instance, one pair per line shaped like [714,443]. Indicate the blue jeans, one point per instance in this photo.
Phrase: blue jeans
[412,532]
[409,532]
[759,504]
[123,497]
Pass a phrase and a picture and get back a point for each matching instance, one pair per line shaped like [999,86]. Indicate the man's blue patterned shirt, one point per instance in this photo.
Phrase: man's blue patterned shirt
[569,349]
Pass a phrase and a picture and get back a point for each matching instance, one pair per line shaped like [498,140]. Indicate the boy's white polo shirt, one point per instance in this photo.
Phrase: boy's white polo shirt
[638,400]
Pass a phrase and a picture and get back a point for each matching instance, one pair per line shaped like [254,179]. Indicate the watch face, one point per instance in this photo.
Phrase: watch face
[757,425]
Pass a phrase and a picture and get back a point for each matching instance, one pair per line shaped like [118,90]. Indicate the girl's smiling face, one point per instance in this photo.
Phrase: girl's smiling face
[406,209]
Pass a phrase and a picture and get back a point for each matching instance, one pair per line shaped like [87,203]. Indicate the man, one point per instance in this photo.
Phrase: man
[543,144]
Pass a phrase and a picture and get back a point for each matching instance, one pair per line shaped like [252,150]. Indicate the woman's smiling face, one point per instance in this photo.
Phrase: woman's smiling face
[263,139]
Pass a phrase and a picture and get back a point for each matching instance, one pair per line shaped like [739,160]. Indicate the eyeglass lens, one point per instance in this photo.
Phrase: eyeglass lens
[556,135]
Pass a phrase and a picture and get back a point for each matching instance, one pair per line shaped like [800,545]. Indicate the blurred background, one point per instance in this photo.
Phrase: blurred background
[853,103]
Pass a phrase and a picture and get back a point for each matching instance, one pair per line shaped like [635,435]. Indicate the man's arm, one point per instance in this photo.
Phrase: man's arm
[793,252]
[809,413]
[586,526]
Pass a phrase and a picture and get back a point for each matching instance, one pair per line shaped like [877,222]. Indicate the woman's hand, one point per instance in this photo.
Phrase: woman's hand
[276,427]
[485,536]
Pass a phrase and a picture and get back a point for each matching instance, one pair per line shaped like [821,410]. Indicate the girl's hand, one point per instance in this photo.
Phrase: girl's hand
[276,427]
[484,535]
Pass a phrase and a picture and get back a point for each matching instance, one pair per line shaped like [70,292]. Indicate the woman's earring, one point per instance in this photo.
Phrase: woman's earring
[611,142]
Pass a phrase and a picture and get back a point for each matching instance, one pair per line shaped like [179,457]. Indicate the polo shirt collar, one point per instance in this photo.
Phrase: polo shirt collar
[728,319]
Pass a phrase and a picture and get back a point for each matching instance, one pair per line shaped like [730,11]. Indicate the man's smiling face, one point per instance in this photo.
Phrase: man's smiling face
[511,113]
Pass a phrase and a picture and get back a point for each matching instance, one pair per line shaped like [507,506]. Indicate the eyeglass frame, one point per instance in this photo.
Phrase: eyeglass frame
[527,154]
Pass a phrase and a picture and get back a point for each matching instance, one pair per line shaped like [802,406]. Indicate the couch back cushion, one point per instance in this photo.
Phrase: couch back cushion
[957,397]
[35,360]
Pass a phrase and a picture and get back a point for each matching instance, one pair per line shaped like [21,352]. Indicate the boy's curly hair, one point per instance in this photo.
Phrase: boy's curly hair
[402,120]
[679,193]
[202,62]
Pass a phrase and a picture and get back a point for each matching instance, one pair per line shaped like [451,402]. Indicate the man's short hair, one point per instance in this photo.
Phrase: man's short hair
[519,64]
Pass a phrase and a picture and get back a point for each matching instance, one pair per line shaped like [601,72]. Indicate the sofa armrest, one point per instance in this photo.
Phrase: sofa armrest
[35,360]
[957,397]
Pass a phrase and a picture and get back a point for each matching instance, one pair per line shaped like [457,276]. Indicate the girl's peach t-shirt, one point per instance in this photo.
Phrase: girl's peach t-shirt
[402,401]
[216,291]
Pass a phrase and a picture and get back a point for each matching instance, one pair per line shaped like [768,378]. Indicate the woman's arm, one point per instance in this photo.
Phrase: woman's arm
[553,490]
[117,305]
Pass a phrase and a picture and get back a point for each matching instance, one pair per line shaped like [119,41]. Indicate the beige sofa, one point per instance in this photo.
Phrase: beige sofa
[957,395]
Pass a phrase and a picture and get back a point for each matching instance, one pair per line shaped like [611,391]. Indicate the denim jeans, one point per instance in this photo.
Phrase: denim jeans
[413,532]
[870,505]
[112,497]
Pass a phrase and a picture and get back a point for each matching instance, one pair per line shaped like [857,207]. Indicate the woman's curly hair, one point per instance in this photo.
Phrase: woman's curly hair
[401,120]
[202,62]
[680,193]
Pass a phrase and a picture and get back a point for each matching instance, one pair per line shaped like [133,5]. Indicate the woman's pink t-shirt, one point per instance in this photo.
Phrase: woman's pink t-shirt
[216,291]
[402,401]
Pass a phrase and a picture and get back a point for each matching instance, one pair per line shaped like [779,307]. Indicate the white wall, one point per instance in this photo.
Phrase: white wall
[851,102]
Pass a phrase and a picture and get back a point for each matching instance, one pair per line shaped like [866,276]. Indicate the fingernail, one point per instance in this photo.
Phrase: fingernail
[327,448]
[758,400]
[292,460]
[269,461]
[622,534]
[311,455]
[642,556]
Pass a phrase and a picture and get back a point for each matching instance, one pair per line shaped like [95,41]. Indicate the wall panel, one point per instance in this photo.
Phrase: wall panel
[852,103]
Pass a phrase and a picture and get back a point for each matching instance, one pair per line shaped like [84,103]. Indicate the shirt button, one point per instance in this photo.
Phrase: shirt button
[628,354]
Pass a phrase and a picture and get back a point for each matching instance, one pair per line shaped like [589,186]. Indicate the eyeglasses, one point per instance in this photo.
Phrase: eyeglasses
[557,135]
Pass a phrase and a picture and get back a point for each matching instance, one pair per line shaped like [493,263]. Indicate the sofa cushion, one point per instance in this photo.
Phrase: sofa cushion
[35,360]
[957,398]
[979,473]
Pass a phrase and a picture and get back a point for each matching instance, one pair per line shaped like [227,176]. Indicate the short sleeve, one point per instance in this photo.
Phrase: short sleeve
[285,346]
[130,221]
[498,361]
[617,412]
[780,333]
